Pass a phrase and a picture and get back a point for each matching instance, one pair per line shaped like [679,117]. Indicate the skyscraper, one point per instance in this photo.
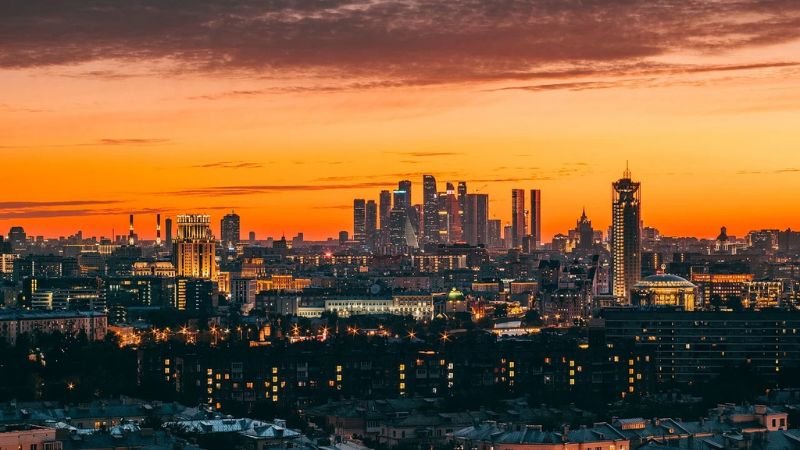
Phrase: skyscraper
[430,209]
[371,221]
[405,186]
[385,208]
[585,232]
[168,230]
[536,218]
[494,233]
[462,201]
[195,250]
[626,236]
[230,230]
[360,220]
[517,218]
[450,230]
[476,219]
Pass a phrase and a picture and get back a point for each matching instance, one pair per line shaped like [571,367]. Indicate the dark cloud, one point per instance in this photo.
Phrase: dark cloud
[381,43]
[230,165]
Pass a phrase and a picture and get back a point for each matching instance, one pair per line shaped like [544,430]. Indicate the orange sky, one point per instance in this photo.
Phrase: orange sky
[712,135]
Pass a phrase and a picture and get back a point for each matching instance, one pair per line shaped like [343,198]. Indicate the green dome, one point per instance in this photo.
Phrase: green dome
[455,295]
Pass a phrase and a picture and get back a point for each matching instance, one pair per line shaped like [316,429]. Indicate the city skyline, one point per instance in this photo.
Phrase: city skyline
[183,121]
[46,213]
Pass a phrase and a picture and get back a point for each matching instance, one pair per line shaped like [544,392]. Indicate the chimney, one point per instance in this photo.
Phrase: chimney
[130,231]
[158,230]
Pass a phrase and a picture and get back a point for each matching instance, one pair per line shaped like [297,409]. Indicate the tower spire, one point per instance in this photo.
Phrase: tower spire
[627,173]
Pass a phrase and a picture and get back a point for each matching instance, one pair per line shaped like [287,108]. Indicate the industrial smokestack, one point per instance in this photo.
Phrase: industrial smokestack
[130,232]
[158,230]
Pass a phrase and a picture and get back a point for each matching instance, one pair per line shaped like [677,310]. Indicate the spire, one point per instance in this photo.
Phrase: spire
[583,213]
[627,174]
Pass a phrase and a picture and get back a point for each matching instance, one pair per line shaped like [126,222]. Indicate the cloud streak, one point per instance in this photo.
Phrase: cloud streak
[229,165]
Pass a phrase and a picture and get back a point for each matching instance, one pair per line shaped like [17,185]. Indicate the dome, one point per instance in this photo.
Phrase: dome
[455,295]
[664,280]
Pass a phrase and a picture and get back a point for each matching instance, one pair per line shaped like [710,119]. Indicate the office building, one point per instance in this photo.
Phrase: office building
[194,295]
[230,230]
[476,219]
[360,220]
[371,222]
[536,219]
[626,236]
[664,290]
[495,233]
[385,208]
[194,253]
[517,218]
[430,209]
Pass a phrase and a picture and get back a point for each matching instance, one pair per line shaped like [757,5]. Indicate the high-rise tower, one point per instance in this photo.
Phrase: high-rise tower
[194,254]
[626,235]
[168,226]
[230,230]
[430,210]
[371,221]
[385,208]
[536,218]
[360,220]
[476,219]
[517,217]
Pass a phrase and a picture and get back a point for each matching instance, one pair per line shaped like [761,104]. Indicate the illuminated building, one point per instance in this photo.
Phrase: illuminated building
[195,249]
[194,295]
[664,290]
[763,294]
[517,218]
[163,269]
[438,263]
[6,266]
[450,230]
[721,286]
[420,307]
[131,234]
[462,200]
[359,220]
[626,236]
[476,219]
[536,218]
[284,283]
[230,230]
[158,230]
[15,323]
[18,239]
[430,210]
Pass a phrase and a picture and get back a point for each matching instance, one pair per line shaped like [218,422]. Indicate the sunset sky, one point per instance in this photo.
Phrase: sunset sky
[286,110]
